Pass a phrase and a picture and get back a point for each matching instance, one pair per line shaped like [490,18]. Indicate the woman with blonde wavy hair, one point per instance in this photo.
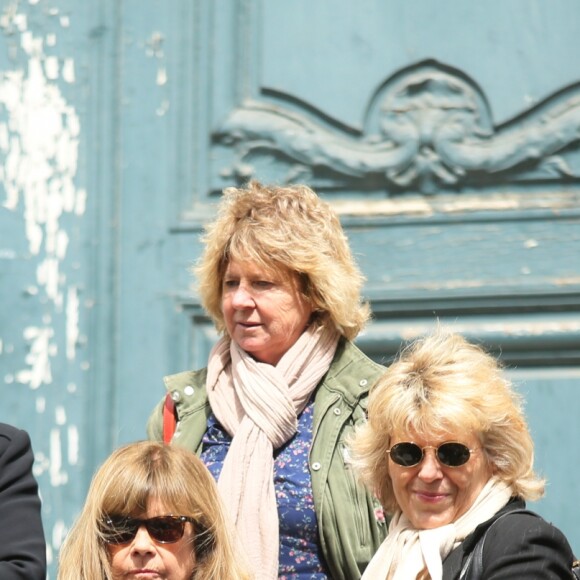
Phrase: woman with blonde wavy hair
[449,454]
[284,385]
[152,511]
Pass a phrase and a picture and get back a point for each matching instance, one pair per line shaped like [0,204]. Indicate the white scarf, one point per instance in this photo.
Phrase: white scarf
[258,404]
[407,551]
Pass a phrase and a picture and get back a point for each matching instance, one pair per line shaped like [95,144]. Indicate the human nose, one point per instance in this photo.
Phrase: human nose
[242,298]
[430,468]
[142,543]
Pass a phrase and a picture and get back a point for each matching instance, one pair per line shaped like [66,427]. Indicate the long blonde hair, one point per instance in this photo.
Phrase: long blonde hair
[125,483]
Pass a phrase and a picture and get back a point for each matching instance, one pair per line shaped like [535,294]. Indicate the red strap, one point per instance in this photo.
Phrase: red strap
[169,420]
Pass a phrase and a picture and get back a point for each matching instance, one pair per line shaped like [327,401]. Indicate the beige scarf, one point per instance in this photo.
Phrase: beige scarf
[406,552]
[258,404]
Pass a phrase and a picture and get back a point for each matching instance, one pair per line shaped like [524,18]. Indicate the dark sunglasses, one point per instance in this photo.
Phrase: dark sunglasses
[450,453]
[162,529]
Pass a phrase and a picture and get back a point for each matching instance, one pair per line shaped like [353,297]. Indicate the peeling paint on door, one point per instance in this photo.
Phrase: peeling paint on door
[41,199]
[39,139]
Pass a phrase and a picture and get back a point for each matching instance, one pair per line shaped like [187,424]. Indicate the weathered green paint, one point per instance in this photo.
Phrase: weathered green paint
[445,134]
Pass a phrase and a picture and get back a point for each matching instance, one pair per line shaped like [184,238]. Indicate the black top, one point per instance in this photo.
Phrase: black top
[521,545]
[22,545]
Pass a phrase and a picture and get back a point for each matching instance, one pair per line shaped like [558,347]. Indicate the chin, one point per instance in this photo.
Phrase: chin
[430,522]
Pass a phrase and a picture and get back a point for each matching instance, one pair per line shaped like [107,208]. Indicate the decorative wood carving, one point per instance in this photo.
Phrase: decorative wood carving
[427,127]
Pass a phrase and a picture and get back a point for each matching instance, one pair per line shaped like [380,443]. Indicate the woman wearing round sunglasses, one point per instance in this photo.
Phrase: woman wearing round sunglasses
[448,452]
[152,512]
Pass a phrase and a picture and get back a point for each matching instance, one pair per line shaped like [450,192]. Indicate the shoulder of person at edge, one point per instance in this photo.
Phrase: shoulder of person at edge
[22,544]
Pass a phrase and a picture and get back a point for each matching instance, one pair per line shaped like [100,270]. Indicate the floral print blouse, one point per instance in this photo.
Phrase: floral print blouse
[300,554]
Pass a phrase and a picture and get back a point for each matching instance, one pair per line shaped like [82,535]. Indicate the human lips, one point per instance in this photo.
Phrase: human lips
[247,324]
[430,496]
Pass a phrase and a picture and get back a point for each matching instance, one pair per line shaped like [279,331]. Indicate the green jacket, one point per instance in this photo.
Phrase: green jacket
[350,520]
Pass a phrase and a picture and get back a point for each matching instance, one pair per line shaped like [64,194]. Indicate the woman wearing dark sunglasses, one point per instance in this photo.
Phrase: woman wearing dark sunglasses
[153,512]
[448,452]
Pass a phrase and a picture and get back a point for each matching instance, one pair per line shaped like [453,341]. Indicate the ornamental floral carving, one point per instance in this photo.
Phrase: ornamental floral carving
[427,127]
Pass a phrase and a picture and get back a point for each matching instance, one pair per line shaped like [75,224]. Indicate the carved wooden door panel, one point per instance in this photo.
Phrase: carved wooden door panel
[446,134]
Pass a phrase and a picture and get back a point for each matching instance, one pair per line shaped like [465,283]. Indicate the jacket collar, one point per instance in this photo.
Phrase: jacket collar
[351,373]
[472,539]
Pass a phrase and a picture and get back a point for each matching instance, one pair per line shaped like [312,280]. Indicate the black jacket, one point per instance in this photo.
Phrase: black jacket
[520,546]
[22,545]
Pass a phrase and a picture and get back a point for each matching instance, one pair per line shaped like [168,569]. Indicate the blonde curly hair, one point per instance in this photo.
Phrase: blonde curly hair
[439,384]
[286,230]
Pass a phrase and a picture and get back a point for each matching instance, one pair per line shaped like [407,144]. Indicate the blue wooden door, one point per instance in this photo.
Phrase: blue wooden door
[445,134]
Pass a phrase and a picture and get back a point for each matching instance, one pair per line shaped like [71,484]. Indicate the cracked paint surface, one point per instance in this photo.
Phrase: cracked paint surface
[39,142]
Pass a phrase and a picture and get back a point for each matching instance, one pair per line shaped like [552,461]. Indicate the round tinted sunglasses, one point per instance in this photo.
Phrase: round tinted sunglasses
[450,453]
[162,529]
